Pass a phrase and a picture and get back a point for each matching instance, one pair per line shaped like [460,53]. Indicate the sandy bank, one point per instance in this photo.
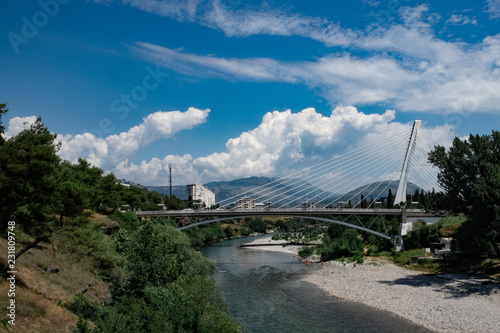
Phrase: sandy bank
[438,304]
[267,244]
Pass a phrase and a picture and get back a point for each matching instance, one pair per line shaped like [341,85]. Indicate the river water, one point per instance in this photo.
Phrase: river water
[264,292]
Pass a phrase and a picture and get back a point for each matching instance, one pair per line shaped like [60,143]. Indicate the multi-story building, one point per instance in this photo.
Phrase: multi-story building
[200,195]
[246,203]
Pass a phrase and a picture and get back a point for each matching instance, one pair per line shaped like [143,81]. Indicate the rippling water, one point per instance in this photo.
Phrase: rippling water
[264,292]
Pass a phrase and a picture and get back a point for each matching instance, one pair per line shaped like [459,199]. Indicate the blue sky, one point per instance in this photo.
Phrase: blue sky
[223,89]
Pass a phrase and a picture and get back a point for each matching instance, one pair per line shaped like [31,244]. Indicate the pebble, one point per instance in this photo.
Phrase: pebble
[438,304]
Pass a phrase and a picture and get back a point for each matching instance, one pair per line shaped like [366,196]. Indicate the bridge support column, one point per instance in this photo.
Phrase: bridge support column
[397,240]
[403,179]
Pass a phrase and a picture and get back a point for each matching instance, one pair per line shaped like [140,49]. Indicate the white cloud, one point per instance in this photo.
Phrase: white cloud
[109,152]
[434,76]
[493,8]
[283,143]
[405,64]
[459,19]
[18,124]
[251,21]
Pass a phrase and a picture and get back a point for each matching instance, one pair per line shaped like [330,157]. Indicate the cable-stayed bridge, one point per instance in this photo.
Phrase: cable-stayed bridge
[313,192]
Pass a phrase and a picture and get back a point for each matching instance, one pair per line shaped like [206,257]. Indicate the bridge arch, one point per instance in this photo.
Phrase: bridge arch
[322,219]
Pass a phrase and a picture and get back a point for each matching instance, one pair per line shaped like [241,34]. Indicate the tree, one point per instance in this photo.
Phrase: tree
[29,168]
[470,176]
[390,199]
[364,204]
[28,179]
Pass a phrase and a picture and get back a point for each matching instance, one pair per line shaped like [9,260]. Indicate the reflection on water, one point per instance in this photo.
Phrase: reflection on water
[264,292]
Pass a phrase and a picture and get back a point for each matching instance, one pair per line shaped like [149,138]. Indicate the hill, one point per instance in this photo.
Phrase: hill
[251,186]
[178,190]
[254,186]
[376,190]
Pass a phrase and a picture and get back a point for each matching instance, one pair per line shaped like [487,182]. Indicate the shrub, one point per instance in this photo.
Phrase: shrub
[258,225]
[403,257]
[306,251]
[84,307]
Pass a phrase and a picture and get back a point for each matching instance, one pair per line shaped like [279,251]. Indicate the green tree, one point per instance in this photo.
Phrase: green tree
[28,180]
[390,199]
[364,204]
[470,175]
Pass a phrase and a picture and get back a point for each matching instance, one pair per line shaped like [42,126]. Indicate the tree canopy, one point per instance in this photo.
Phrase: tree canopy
[470,176]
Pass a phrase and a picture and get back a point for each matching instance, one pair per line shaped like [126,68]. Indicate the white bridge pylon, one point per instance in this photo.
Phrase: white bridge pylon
[403,179]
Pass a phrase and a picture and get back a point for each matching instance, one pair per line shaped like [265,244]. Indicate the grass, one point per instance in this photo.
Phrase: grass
[403,257]
[42,299]
[36,313]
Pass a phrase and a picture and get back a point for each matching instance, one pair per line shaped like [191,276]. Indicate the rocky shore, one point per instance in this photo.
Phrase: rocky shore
[439,303]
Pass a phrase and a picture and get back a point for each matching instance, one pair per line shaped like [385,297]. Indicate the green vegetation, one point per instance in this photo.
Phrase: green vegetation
[304,237]
[144,277]
[470,176]
[167,288]
[403,257]
[306,251]
[424,235]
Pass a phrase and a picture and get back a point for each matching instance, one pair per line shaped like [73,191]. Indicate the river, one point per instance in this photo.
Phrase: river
[264,292]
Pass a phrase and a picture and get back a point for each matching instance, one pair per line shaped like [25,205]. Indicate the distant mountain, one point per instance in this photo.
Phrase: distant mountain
[178,190]
[374,190]
[275,189]
[281,191]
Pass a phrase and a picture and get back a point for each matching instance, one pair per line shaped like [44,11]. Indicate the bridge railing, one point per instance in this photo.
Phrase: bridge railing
[283,211]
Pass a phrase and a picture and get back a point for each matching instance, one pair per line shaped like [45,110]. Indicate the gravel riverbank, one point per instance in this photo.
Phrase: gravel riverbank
[437,303]
[267,244]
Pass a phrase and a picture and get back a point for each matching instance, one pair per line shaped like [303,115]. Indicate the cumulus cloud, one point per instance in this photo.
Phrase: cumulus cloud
[283,143]
[18,124]
[109,152]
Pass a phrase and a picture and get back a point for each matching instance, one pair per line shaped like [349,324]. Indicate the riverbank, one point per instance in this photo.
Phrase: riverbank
[440,304]
[268,244]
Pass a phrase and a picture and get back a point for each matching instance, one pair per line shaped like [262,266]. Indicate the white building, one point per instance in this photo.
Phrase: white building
[201,195]
[246,203]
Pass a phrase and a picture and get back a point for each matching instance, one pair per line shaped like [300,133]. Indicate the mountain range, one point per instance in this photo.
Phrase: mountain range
[282,192]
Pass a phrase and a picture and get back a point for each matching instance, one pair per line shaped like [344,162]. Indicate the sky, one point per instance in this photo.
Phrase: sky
[225,89]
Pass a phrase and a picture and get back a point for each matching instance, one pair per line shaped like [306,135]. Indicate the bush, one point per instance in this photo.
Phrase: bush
[258,225]
[86,243]
[346,246]
[403,257]
[372,249]
[84,307]
[127,220]
[306,251]
[245,231]
[358,257]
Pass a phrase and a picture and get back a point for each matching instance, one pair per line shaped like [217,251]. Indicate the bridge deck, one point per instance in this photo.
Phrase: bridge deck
[285,212]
